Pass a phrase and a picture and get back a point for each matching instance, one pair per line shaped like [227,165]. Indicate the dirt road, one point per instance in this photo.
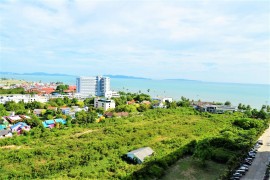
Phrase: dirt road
[258,167]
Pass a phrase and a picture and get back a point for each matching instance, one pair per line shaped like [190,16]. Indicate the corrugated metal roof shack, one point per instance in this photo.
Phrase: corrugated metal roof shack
[138,155]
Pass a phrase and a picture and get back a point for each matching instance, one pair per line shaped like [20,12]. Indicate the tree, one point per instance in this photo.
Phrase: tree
[89,102]
[120,101]
[100,110]
[80,104]
[34,105]
[248,107]
[203,151]
[184,102]
[60,88]
[171,105]
[49,114]
[66,100]
[129,98]
[142,107]
[17,107]
[3,111]
[240,106]
[34,122]
[227,103]
[83,117]
[74,101]
[59,101]
[126,108]
[142,97]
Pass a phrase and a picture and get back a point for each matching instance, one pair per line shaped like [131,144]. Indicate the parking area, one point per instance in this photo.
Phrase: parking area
[259,164]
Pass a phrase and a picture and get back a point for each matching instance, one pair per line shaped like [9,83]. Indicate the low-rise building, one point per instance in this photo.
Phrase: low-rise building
[65,110]
[104,103]
[219,109]
[39,112]
[52,108]
[111,94]
[51,123]
[5,133]
[20,127]
[163,99]
[26,98]
[13,119]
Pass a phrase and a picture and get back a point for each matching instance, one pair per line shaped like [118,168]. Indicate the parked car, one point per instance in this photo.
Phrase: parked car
[249,159]
[237,175]
[244,165]
[248,162]
[243,172]
[243,168]
[251,155]
[234,178]
[260,142]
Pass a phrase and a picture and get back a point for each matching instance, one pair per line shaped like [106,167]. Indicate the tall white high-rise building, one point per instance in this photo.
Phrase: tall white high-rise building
[95,86]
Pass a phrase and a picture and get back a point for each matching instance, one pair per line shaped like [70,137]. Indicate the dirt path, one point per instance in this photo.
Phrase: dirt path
[10,147]
[85,132]
[258,167]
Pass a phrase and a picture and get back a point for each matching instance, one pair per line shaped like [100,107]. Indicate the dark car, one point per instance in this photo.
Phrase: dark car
[248,162]
[260,142]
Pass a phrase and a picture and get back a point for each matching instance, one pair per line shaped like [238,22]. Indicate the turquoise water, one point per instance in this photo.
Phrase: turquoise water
[252,94]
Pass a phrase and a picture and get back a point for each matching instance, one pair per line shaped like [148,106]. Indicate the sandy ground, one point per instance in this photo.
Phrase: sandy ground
[258,167]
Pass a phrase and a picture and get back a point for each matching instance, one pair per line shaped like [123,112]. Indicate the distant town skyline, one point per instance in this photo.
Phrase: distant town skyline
[218,41]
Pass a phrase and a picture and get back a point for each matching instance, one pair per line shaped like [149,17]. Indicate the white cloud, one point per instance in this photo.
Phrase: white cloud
[152,38]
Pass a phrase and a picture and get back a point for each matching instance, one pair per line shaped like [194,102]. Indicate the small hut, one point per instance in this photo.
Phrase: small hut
[138,155]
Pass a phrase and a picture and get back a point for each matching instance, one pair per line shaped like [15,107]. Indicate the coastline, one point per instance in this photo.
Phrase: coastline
[254,95]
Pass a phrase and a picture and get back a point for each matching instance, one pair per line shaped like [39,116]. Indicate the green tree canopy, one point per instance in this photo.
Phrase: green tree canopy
[60,88]
[227,103]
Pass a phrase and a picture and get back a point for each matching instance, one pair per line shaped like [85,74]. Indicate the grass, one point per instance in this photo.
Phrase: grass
[191,169]
[96,150]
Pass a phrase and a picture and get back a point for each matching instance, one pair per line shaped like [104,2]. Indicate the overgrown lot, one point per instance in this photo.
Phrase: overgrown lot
[96,151]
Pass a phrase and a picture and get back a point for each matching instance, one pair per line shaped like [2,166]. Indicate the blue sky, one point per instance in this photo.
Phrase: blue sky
[219,41]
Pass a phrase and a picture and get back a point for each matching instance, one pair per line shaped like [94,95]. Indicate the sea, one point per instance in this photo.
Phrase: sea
[254,95]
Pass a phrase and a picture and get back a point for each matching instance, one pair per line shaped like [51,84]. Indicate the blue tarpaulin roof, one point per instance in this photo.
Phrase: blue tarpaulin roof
[49,122]
[2,126]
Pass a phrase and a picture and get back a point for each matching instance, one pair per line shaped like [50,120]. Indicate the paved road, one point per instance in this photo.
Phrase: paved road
[258,167]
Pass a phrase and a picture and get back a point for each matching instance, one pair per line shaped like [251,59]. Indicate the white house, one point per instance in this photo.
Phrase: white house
[22,97]
[164,99]
[104,103]
[110,94]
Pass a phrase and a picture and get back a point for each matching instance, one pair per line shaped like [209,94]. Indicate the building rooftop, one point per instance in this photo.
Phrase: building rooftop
[141,153]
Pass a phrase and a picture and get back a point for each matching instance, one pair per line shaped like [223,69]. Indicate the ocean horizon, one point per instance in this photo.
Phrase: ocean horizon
[254,95]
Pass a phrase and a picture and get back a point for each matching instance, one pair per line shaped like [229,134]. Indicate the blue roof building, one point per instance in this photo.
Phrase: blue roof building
[51,123]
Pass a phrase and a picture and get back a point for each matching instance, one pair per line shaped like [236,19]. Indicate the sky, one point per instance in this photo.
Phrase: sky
[208,40]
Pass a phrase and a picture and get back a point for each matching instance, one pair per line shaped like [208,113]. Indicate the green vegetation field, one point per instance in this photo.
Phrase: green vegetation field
[191,169]
[97,150]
